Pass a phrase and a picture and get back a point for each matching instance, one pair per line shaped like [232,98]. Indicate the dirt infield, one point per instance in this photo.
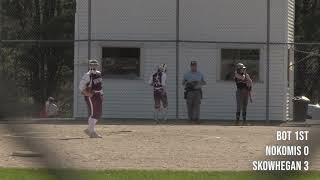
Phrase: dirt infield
[174,147]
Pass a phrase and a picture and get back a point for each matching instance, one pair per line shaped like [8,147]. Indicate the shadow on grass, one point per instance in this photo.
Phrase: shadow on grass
[53,174]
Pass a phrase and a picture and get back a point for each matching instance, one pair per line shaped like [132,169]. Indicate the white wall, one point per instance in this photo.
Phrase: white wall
[223,20]
[134,19]
[125,98]
[219,96]
[228,20]
[291,19]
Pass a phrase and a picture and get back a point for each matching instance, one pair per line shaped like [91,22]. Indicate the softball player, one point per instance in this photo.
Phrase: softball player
[243,93]
[91,88]
[159,81]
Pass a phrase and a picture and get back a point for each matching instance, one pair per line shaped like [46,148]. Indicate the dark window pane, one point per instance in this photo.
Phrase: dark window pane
[249,54]
[121,62]
[230,57]
[227,69]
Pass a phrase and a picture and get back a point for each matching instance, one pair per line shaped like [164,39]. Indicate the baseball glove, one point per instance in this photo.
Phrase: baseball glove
[88,92]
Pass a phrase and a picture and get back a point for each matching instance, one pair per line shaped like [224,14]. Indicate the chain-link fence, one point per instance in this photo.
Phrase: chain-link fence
[306,69]
[37,52]
[45,46]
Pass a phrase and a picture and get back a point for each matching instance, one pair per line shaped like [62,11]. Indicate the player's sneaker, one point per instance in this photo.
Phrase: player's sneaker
[165,119]
[95,135]
[236,122]
[87,132]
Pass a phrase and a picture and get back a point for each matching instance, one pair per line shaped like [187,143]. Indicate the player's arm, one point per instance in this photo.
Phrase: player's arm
[83,85]
[184,81]
[239,76]
[249,80]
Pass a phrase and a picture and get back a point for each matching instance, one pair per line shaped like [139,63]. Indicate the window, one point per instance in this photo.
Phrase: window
[121,62]
[230,57]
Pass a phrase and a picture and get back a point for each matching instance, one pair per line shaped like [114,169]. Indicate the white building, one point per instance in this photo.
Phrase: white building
[127,65]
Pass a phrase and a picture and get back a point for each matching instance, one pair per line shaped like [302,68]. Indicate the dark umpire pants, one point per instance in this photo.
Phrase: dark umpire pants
[193,99]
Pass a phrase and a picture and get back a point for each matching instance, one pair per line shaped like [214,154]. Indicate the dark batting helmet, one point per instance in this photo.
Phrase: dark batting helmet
[240,66]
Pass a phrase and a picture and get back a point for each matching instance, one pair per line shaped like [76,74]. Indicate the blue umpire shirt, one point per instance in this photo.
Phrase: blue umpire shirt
[194,76]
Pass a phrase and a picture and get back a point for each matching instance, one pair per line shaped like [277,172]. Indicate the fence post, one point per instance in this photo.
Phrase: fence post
[89,29]
[177,56]
[268,64]
[1,29]
[1,23]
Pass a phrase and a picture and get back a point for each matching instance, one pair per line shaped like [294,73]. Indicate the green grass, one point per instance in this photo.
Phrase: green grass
[42,174]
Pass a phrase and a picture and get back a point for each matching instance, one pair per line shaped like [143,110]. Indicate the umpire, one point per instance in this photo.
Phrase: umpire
[193,82]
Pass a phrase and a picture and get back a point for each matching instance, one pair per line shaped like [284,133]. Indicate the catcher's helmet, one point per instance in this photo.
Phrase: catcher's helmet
[162,68]
[240,66]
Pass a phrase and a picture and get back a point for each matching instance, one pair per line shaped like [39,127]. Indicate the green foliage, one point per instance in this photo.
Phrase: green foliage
[307,29]
[39,69]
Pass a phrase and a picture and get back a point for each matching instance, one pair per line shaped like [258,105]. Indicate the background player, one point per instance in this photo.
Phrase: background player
[51,108]
[243,93]
[91,87]
[159,80]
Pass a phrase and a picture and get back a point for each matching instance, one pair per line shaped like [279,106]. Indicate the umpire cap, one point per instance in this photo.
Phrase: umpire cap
[193,63]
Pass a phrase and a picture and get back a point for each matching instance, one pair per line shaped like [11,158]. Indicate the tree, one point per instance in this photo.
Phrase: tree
[42,69]
[307,29]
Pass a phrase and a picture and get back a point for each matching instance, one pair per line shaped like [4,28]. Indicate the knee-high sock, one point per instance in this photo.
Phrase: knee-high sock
[94,124]
[165,112]
[91,124]
[156,114]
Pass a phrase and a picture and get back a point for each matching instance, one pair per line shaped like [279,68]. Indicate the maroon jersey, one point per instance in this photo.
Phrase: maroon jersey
[95,81]
[158,81]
